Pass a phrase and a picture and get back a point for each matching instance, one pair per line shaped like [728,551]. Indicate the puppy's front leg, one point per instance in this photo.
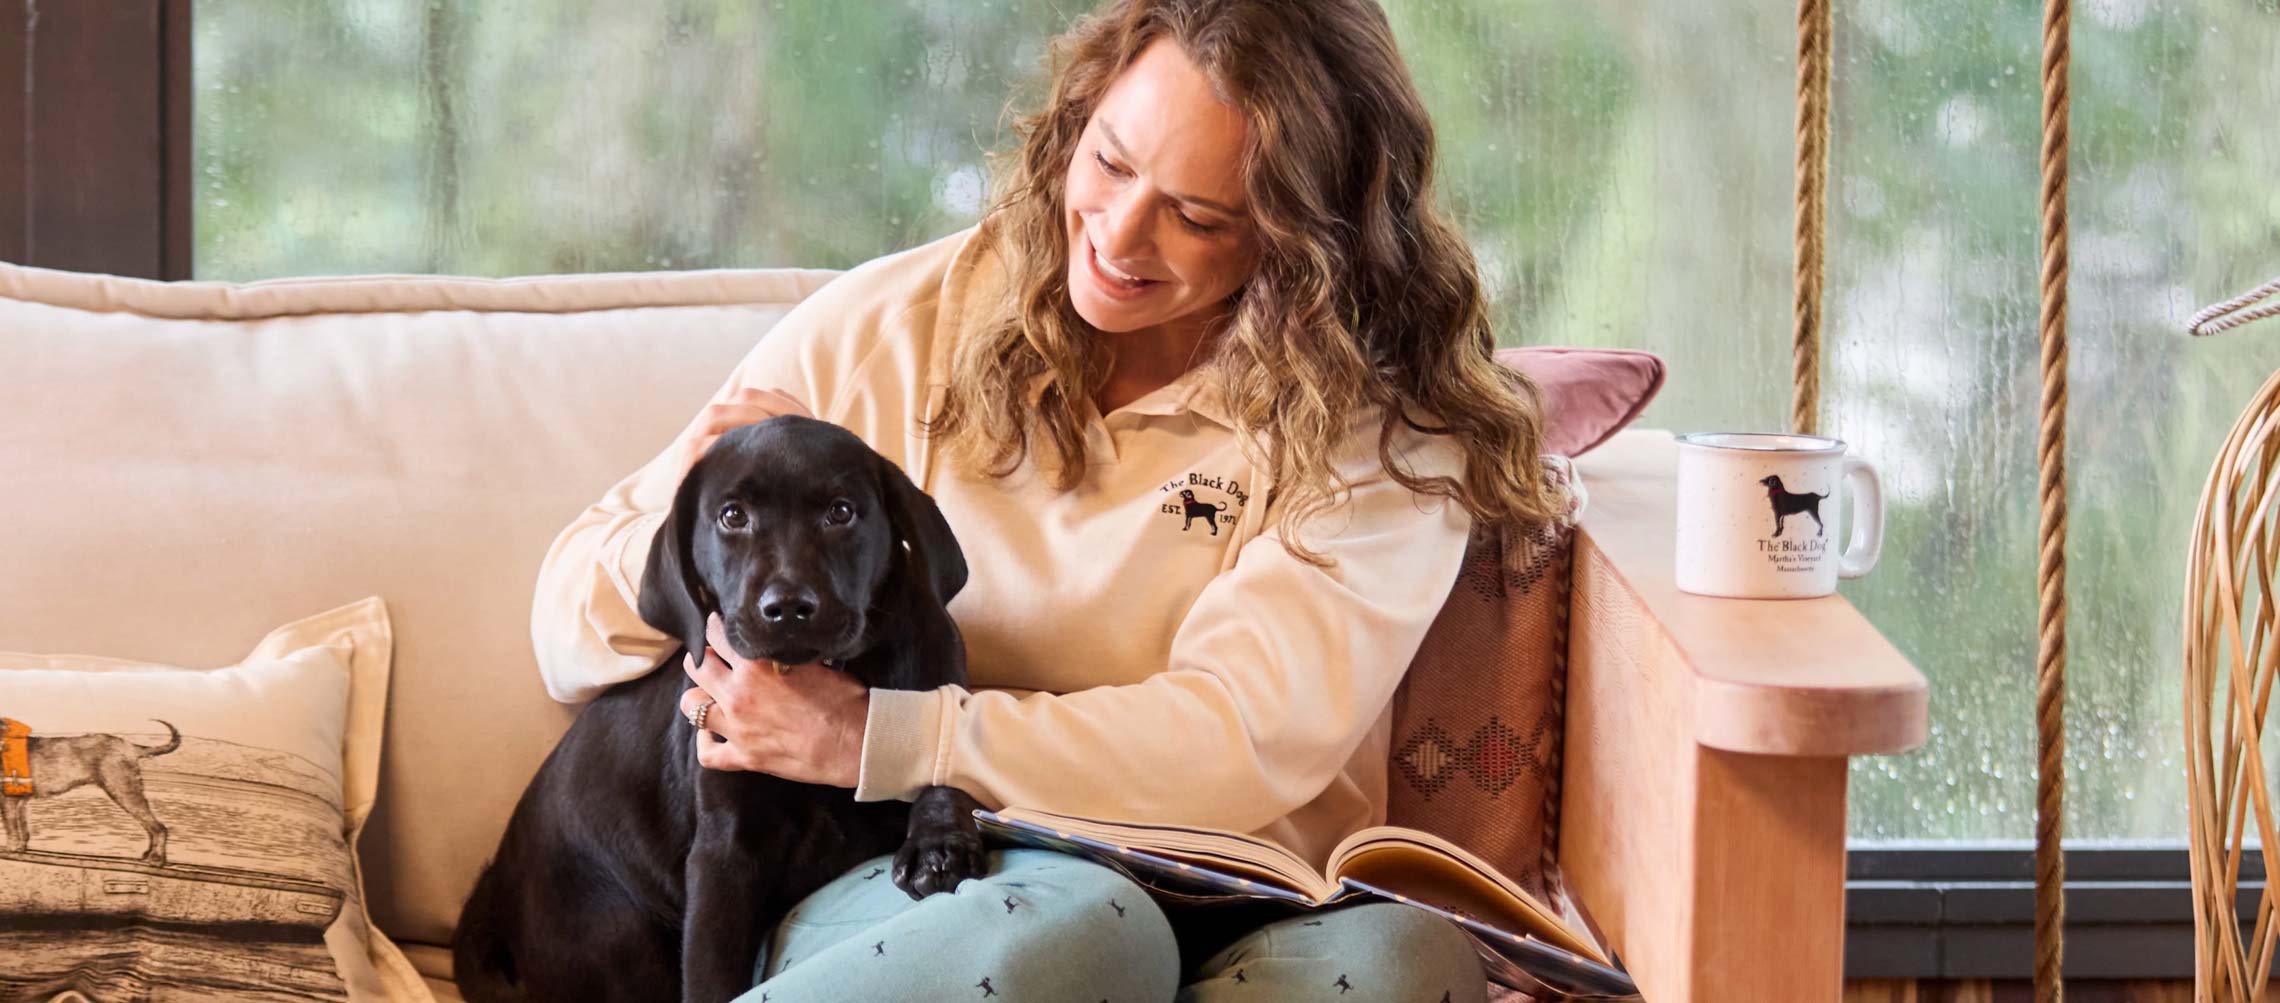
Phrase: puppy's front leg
[943,845]
[720,927]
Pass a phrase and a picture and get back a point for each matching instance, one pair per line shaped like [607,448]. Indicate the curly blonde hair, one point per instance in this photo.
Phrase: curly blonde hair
[1365,294]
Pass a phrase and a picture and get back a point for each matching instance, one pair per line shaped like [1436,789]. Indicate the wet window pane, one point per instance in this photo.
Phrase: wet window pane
[1622,168]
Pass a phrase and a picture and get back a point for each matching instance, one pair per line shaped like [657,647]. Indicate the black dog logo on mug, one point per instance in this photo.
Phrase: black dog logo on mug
[1786,504]
[1793,555]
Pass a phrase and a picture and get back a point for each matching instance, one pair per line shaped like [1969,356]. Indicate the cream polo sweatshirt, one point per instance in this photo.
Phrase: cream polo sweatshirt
[1140,648]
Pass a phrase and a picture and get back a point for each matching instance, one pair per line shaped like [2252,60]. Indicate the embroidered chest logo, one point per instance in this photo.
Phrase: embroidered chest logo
[1215,501]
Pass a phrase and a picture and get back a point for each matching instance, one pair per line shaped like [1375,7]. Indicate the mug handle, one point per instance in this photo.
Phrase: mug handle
[1868,519]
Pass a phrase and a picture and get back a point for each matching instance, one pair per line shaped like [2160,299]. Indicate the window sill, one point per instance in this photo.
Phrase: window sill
[1946,911]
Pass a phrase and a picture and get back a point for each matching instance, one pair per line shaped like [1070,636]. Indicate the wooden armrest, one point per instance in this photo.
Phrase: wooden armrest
[1703,790]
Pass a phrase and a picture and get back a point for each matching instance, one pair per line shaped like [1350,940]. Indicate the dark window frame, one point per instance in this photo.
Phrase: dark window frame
[1967,911]
[95,136]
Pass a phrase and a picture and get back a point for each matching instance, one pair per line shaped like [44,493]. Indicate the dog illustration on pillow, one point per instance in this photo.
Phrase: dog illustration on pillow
[58,764]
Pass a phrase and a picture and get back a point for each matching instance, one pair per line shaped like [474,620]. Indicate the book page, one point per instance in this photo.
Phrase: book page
[1525,961]
[1206,865]
[1243,855]
[1435,870]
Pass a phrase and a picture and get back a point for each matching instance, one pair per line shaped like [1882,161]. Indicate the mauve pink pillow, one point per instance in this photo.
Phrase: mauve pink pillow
[1589,393]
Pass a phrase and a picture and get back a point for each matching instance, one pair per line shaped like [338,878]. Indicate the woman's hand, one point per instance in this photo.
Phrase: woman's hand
[799,722]
[744,407]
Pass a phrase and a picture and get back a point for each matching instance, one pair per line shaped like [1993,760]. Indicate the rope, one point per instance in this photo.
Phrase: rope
[1815,28]
[1563,568]
[2213,320]
[2050,691]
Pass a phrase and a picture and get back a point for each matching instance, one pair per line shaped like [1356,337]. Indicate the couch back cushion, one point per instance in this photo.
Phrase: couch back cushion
[184,466]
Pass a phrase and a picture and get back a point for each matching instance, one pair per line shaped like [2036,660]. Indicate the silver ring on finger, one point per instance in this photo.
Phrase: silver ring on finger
[697,716]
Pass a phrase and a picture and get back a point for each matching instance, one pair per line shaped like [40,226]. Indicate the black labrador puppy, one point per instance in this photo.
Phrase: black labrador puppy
[627,871]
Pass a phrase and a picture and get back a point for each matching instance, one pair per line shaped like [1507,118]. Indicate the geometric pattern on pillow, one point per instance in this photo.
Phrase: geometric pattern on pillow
[1494,757]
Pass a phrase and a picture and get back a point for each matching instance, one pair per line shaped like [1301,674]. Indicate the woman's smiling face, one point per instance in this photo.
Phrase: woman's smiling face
[1155,193]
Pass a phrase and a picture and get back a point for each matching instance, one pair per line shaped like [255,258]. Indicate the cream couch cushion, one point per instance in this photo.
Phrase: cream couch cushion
[183,466]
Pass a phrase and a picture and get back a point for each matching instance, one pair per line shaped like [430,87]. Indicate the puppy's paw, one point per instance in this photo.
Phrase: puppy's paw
[936,861]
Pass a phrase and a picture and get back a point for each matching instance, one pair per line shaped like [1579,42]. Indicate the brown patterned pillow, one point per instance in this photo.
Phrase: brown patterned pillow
[1477,722]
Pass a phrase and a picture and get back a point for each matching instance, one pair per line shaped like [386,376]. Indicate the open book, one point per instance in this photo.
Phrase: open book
[1524,943]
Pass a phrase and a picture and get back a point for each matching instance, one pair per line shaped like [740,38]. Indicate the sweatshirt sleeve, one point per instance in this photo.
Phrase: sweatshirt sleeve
[584,625]
[1276,674]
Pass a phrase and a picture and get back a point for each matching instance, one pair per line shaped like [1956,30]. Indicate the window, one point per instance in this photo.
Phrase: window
[1623,169]
[522,137]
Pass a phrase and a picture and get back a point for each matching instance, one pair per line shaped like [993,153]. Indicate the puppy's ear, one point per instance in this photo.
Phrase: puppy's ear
[934,552]
[673,598]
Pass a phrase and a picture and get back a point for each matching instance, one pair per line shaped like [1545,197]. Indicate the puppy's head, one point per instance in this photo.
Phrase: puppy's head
[795,531]
[1187,495]
[1771,483]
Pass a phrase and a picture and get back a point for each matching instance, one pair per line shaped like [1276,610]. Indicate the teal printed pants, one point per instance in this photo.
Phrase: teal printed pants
[1046,927]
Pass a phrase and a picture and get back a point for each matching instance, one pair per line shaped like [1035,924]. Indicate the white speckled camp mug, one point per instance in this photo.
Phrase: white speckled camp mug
[1757,514]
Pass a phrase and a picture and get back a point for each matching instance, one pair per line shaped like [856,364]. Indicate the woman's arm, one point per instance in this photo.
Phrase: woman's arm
[1277,673]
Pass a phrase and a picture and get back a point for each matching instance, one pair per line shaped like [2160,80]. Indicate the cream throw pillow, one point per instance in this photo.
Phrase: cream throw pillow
[217,865]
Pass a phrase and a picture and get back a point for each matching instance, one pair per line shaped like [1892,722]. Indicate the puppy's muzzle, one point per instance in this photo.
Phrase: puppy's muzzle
[788,606]
[790,621]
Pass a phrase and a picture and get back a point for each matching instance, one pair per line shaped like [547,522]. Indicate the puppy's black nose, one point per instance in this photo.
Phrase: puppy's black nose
[787,603]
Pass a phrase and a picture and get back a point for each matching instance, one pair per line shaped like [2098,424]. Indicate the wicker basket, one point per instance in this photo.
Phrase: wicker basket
[2231,658]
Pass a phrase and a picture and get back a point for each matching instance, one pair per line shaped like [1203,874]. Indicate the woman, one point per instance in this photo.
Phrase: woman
[1209,402]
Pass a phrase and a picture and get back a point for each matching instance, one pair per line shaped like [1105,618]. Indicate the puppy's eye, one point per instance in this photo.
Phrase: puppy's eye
[732,516]
[841,513]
